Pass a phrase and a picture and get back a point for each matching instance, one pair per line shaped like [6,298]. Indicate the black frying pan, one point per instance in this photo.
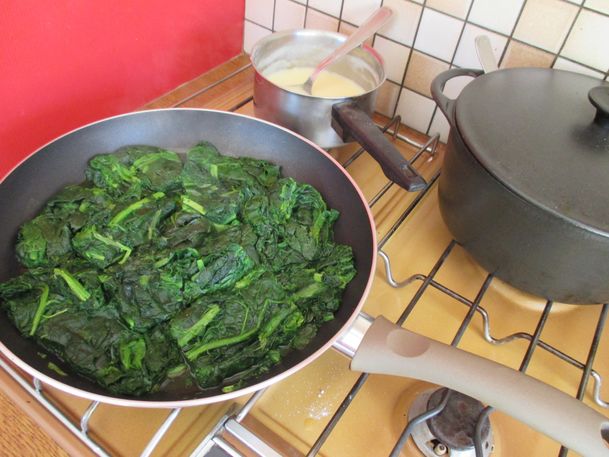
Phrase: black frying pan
[63,161]
[379,348]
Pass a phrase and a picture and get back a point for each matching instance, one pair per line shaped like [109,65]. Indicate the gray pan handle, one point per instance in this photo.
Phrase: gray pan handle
[387,348]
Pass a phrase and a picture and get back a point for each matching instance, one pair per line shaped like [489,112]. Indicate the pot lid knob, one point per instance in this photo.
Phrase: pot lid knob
[599,97]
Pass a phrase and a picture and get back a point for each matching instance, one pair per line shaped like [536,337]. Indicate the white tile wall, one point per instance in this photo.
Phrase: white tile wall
[260,12]
[331,7]
[598,5]
[395,57]
[497,15]
[251,34]
[588,42]
[457,8]
[356,11]
[566,34]
[438,34]
[564,64]
[440,125]
[415,109]
[387,97]
[321,21]
[403,24]
[466,52]
[545,23]
[288,15]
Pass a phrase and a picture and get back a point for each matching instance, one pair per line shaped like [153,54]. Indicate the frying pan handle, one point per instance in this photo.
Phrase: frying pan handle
[350,121]
[389,349]
[447,105]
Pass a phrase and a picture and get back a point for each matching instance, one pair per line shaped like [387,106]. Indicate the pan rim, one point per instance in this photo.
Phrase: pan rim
[199,401]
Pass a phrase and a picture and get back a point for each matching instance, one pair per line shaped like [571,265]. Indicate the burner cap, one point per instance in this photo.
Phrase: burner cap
[455,425]
[450,432]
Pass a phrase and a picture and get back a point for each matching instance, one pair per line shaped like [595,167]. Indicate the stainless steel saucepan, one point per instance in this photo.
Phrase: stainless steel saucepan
[327,121]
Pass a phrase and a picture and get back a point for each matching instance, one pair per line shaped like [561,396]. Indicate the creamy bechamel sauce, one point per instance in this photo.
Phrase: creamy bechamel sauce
[327,83]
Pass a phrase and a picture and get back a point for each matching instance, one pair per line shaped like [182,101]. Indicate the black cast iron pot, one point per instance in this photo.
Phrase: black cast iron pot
[525,183]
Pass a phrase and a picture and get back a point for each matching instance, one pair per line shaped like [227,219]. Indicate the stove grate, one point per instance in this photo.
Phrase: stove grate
[216,444]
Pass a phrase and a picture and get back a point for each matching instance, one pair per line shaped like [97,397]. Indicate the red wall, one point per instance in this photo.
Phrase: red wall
[69,62]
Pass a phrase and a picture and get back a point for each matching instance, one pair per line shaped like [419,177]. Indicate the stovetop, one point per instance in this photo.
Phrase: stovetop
[424,281]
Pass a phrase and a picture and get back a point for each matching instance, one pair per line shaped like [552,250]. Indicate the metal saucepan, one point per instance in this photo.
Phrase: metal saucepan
[380,347]
[525,181]
[320,118]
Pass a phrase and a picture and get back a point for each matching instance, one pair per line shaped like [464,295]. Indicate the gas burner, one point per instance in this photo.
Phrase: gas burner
[451,432]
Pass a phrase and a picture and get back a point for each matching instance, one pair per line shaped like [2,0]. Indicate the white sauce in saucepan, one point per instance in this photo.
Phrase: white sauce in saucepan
[327,83]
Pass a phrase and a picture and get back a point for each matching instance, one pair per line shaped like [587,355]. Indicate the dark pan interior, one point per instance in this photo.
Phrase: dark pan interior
[62,162]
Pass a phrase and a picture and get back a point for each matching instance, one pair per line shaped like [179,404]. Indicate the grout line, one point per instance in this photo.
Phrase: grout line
[511,35]
[318,10]
[450,14]
[306,6]
[460,20]
[564,42]
[587,8]
[465,21]
[340,15]
[414,39]
[259,25]
[515,40]
[452,62]
[582,65]
[375,35]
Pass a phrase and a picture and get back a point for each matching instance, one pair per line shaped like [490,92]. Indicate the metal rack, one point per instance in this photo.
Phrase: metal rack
[231,425]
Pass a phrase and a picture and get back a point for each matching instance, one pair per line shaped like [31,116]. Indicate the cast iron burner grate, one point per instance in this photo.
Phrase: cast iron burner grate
[443,422]
[231,426]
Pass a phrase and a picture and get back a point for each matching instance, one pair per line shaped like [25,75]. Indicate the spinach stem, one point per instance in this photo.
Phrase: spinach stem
[76,287]
[198,327]
[193,205]
[153,223]
[131,208]
[42,304]
[109,241]
[195,352]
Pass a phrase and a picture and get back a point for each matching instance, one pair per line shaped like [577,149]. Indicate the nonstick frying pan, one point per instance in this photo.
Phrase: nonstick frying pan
[380,347]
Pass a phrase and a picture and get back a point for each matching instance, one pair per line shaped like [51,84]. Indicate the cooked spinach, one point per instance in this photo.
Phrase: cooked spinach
[213,267]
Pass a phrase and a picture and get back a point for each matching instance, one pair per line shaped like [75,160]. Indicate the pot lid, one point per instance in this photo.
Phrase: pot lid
[538,132]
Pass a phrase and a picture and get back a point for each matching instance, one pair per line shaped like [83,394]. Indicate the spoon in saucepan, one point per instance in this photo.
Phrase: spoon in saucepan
[365,31]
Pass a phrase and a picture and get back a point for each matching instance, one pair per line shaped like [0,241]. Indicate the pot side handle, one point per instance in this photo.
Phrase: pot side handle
[447,105]
[389,349]
[350,121]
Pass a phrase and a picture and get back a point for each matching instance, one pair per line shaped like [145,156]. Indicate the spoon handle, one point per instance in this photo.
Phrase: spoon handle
[365,31]
[484,49]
